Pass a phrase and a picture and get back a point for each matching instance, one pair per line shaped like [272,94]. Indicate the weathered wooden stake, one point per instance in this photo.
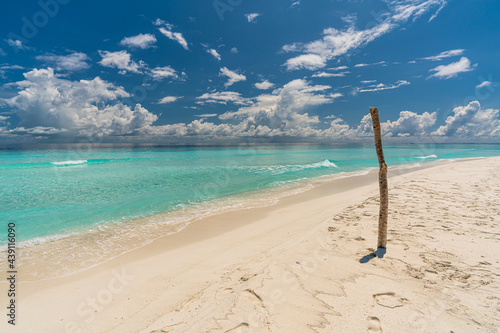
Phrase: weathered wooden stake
[382,181]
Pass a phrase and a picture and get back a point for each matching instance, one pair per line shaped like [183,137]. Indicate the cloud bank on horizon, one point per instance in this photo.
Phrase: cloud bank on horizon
[306,73]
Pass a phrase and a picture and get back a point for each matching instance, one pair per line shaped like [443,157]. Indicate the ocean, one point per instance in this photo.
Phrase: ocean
[55,193]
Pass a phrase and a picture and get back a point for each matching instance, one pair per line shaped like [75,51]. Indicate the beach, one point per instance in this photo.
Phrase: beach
[303,264]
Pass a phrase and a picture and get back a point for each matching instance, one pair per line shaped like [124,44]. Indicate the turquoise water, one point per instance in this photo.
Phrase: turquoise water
[49,192]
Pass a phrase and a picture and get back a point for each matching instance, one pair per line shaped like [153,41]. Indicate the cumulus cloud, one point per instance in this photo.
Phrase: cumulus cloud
[232,76]
[445,54]
[234,50]
[305,61]
[121,60]
[141,41]
[167,30]
[471,120]
[409,124]
[169,99]
[336,42]
[453,69]
[160,73]
[251,17]
[85,107]
[284,108]
[75,61]
[264,85]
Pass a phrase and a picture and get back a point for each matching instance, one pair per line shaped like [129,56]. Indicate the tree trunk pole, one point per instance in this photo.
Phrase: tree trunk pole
[382,181]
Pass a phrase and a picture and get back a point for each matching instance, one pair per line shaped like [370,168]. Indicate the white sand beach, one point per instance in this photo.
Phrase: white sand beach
[302,265]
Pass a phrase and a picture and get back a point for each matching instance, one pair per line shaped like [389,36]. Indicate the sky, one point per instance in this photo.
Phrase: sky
[232,71]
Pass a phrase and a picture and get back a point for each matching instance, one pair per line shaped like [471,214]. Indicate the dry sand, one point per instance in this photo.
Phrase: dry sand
[302,265]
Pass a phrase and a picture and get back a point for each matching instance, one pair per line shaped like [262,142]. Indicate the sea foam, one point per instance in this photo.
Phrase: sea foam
[427,157]
[76,162]
[279,169]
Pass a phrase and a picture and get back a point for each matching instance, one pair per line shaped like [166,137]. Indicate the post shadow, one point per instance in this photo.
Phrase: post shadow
[379,253]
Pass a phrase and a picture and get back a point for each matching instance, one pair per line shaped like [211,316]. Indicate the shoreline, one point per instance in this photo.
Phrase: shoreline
[109,245]
[296,265]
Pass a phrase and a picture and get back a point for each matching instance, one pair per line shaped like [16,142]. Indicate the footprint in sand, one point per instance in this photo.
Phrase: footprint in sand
[389,300]
[254,296]
[237,327]
[374,325]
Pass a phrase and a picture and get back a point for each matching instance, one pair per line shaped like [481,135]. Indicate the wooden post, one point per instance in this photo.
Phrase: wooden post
[382,181]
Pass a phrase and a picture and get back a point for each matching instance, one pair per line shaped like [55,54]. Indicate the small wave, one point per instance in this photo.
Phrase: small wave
[69,162]
[279,169]
[426,157]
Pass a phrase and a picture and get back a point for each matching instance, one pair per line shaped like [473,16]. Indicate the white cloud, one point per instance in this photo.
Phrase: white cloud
[214,53]
[142,41]
[121,60]
[251,17]
[471,120]
[5,68]
[169,99]
[305,61]
[283,109]
[75,61]
[409,124]
[206,115]
[335,95]
[37,131]
[166,30]
[294,47]
[160,73]
[375,63]
[368,81]
[234,50]
[336,42]
[85,107]
[17,44]
[484,84]
[2,53]
[338,68]
[381,86]
[3,119]
[264,85]
[295,3]
[233,76]
[452,70]
[222,98]
[445,54]
[324,74]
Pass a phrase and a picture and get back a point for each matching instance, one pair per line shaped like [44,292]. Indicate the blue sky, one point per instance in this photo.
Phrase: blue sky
[232,70]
